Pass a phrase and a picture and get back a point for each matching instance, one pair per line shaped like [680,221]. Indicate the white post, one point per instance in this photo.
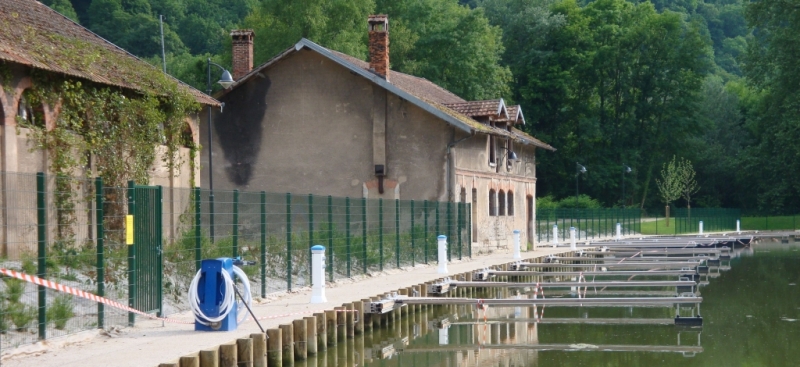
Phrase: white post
[318,274]
[442,254]
[738,227]
[555,235]
[517,255]
[701,227]
[444,337]
[619,231]
[572,245]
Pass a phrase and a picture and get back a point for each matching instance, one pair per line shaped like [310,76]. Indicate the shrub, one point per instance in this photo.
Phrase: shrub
[21,315]
[60,311]
[14,289]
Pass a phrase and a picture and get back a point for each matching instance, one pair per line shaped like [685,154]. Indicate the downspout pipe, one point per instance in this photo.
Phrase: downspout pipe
[451,164]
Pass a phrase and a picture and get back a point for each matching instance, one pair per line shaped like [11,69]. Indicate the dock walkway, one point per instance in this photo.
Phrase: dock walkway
[149,343]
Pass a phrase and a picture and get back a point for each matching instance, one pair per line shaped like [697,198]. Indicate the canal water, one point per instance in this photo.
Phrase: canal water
[751,317]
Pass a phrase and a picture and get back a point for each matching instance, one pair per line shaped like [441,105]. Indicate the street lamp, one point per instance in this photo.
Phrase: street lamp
[578,170]
[625,169]
[225,80]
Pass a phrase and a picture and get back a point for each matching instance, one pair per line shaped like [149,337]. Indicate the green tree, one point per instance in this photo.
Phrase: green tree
[605,83]
[449,44]
[687,181]
[64,7]
[336,24]
[771,69]
[669,186]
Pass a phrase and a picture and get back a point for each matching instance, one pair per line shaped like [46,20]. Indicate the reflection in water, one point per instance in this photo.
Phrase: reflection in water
[750,320]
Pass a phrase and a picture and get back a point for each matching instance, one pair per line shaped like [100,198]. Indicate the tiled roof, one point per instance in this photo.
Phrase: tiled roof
[515,115]
[417,86]
[37,36]
[428,93]
[495,108]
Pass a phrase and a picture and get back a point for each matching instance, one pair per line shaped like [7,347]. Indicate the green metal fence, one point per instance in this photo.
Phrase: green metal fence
[588,223]
[684,221]
[73,231]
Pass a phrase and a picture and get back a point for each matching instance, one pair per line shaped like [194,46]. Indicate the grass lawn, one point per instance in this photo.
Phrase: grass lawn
[786,222]
[658,226]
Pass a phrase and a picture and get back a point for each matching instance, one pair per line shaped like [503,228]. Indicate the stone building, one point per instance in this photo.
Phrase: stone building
[313,120]
[37,42]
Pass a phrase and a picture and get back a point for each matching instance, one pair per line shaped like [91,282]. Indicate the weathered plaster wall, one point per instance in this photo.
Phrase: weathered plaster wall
[305,125]
[19,161]
[473,171]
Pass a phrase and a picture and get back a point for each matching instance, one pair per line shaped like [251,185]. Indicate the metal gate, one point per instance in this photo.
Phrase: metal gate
[145,259]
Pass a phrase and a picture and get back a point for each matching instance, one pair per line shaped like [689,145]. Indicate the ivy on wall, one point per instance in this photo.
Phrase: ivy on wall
[113,130]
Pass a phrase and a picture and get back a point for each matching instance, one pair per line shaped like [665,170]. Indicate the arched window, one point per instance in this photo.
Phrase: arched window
[510,198]
[501,199]
[30,112]
[492,203]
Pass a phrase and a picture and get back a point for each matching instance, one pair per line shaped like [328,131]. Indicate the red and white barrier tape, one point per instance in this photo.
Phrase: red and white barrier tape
[93,297]
[83,294]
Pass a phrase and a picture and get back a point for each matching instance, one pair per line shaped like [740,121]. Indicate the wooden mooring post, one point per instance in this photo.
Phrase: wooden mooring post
[259,349]
[287,343]
[274,348]
[244,352]
[330,326]
[300,340]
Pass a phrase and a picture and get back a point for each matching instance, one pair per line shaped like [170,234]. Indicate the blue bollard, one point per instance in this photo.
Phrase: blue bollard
[211,294]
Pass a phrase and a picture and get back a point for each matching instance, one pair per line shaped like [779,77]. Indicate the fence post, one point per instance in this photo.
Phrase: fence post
[330,237]
[364,233]
[397,231]
[348,238]
[289,241]
[41,219]
[311,230]
[449,229]
[413,249]
[459,226]
[131,254]
[438,226]
[425,233]
[160,248]
[380,232]
[263,263]
[235,226]
[198,241]
[469,229]
[101,277]
[211,213]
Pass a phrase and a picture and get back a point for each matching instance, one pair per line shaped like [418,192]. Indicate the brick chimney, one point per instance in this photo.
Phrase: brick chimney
[379,44]
[242,52]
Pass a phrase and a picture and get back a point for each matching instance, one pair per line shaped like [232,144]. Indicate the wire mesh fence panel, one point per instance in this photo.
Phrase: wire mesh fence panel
[19,304]
[297,205]
[75,231]
[589,224]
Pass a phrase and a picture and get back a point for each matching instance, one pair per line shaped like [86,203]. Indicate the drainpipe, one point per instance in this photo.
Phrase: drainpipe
[451,164]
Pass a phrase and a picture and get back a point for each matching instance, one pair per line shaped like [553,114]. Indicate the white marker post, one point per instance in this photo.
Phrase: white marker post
[555,235]
[444,335]
[517,255]
[318,274]
[701,227]
[738,227]
[442,254]
[572,244]
[619,232]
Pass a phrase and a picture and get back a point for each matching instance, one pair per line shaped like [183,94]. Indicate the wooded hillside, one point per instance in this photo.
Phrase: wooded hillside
[606,82]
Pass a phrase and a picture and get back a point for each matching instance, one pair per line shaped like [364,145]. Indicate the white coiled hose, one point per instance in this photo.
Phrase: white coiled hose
[227,303]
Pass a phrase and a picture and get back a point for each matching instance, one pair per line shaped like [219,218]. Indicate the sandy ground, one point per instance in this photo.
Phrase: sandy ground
[150,343]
